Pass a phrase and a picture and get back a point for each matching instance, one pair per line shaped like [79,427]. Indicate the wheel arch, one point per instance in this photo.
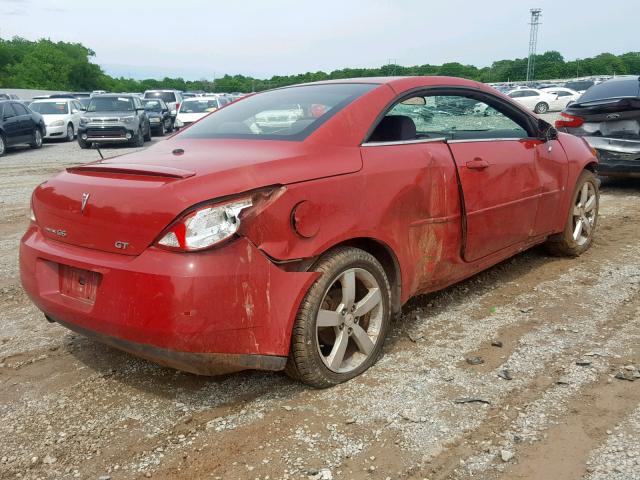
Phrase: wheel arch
[387,258]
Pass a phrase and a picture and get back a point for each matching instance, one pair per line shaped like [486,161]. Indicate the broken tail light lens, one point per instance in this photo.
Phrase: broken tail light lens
[569,121]
[205,226]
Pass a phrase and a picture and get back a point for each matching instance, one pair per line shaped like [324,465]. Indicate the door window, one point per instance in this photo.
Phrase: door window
[20,109]
[8,111]
[454,117]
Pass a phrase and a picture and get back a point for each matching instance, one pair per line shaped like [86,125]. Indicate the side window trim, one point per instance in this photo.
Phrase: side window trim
[404,142]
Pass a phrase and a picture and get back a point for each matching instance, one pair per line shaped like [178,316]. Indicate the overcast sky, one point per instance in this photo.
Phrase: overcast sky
[197,39]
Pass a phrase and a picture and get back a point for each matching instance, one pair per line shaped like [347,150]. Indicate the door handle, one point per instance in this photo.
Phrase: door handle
[477,164]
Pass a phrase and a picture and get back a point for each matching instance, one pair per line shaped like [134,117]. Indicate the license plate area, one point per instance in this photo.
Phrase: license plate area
[78,283]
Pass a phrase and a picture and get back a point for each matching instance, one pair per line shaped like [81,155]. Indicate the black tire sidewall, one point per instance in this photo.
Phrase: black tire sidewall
[316,294]
[70,139]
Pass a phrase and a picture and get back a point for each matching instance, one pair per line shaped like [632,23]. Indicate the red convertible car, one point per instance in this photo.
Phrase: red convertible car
[285,230]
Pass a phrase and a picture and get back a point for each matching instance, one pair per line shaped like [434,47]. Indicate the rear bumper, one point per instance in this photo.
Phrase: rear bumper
[199,312]
[617,157]
[198,363]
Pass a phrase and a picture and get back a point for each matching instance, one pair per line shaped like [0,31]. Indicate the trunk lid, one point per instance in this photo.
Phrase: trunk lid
[129,200]
[610,118]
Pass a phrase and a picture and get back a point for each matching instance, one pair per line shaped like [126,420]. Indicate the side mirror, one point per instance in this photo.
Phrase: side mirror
[547,131]
[75,110]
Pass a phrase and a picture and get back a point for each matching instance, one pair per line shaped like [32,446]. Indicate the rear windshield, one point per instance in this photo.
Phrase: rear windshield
[168,97]
[50,108]
[110,104]
[198,106]
[285,114]
[619,88]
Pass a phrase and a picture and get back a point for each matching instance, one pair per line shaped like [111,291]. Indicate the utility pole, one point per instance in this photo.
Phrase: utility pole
[536,13]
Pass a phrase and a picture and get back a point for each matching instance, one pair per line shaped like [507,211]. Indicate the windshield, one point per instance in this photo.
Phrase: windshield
[285,114]
[152,105]
[168,97]
[50,108]
[110,104]
[199,106]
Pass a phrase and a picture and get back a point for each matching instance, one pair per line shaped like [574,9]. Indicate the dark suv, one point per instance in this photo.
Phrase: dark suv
[173,99]
[114,118]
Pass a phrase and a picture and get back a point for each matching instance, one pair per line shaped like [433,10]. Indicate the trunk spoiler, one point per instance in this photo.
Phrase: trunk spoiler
[131,169]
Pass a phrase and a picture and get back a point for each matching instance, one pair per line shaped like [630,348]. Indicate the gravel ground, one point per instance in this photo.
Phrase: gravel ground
[558,398]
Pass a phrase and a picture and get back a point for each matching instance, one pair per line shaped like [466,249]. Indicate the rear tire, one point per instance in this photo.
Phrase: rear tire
[36,142]
[3,145]
[352,300]
[541,107]
[581,223]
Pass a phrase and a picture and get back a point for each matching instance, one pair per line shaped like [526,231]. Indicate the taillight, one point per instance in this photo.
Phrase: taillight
[177,105]
[205,226]
[570,121]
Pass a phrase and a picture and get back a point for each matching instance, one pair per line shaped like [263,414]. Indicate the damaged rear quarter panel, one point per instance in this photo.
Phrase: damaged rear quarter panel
[405,197]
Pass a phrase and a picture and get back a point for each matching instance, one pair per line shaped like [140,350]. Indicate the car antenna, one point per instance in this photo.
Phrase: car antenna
[99,151]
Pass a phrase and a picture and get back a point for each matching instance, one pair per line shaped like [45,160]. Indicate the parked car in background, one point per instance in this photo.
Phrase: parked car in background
[159,117]
[534,99]
[62,117]
[232,246]
[9,96]
[580,86]
[193,109]
[19,126]
[114,118]
[173,99]
[564,95]
[607,116]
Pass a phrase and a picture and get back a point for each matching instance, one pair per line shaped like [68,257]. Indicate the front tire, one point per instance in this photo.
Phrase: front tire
[36,142]
[147,136]
[342,321]
[541,107]
[83,143]
[70,133]
[580,227]
[138,139]
[3,145]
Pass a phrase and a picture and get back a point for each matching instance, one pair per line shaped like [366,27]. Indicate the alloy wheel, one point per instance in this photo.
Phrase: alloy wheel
[349,321]
[584,213]
[2,146]
[38,137]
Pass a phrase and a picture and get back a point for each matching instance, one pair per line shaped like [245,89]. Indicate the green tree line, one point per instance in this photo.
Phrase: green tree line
[48,65]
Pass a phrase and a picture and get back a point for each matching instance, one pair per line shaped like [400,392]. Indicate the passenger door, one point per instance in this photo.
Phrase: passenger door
[26,125]
[494,152]
[11,123]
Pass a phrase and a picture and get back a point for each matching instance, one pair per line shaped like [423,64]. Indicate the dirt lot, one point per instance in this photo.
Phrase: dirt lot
[543,405]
